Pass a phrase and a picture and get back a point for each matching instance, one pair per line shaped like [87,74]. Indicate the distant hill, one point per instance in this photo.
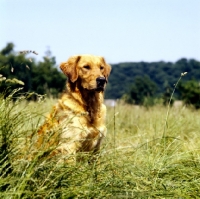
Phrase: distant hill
[164,74]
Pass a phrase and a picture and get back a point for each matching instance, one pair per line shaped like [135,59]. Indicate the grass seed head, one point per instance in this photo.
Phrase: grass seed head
[2,79]
[28,51]
[183,74]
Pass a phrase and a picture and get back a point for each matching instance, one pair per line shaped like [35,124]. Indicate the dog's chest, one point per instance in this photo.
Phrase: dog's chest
[85,128]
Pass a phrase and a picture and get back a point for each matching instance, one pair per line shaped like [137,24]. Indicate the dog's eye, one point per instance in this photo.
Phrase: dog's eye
[101,67]
[86,67]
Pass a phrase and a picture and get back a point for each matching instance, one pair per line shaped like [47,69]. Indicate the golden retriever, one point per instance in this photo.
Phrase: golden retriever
[79,116]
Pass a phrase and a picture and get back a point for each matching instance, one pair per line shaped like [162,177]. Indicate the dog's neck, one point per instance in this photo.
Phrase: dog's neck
[90,100]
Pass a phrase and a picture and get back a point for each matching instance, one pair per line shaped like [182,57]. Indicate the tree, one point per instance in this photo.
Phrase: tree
[13,67]
[8,49]
[190,93]
[122,75]
[42,77]
[46,79]
[142,90]
[167,95]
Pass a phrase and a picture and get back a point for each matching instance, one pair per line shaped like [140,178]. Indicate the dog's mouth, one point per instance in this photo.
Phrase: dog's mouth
[97,86]
[99,89]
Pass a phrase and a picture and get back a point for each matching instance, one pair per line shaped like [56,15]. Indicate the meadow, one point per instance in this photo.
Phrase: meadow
[148,153]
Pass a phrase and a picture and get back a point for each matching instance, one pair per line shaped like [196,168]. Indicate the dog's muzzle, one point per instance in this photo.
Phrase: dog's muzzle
[100,83]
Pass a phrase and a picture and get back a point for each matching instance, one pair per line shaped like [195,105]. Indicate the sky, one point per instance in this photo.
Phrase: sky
[119,30]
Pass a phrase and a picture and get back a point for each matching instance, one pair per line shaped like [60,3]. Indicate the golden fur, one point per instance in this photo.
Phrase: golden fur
[79,116]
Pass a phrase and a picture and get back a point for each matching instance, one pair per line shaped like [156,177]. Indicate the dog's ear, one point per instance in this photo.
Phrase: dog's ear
[107,69]
[69,68]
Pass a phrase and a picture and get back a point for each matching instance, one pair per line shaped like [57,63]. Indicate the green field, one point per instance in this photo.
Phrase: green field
[148,153]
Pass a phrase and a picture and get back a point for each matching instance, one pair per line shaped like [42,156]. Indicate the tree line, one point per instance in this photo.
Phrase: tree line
[144,83]
[141,83]
[39,77]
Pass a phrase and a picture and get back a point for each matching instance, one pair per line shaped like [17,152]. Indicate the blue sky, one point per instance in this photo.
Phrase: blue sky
[119,30]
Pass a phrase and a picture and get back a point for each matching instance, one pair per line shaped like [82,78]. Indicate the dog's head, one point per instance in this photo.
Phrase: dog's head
[91,71]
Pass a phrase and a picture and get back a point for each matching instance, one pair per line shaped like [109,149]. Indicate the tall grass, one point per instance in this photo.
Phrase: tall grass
[134,161]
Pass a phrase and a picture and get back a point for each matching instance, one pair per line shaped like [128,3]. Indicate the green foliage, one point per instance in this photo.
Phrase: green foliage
[142,91]
[21,70]
[167,96]
[8,49]
[190,93]
[46,79]
[42,77]
[164,74]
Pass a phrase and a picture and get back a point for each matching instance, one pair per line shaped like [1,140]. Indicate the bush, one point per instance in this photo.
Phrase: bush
[190,93]
[39,77]
[142,91]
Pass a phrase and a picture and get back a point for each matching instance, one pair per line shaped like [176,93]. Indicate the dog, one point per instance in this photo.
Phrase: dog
[77,121]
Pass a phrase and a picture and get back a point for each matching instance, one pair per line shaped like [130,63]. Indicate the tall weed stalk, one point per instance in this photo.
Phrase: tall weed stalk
[169,106]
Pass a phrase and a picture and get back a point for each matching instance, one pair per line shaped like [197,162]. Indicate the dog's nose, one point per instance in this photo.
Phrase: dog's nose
[101,81]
